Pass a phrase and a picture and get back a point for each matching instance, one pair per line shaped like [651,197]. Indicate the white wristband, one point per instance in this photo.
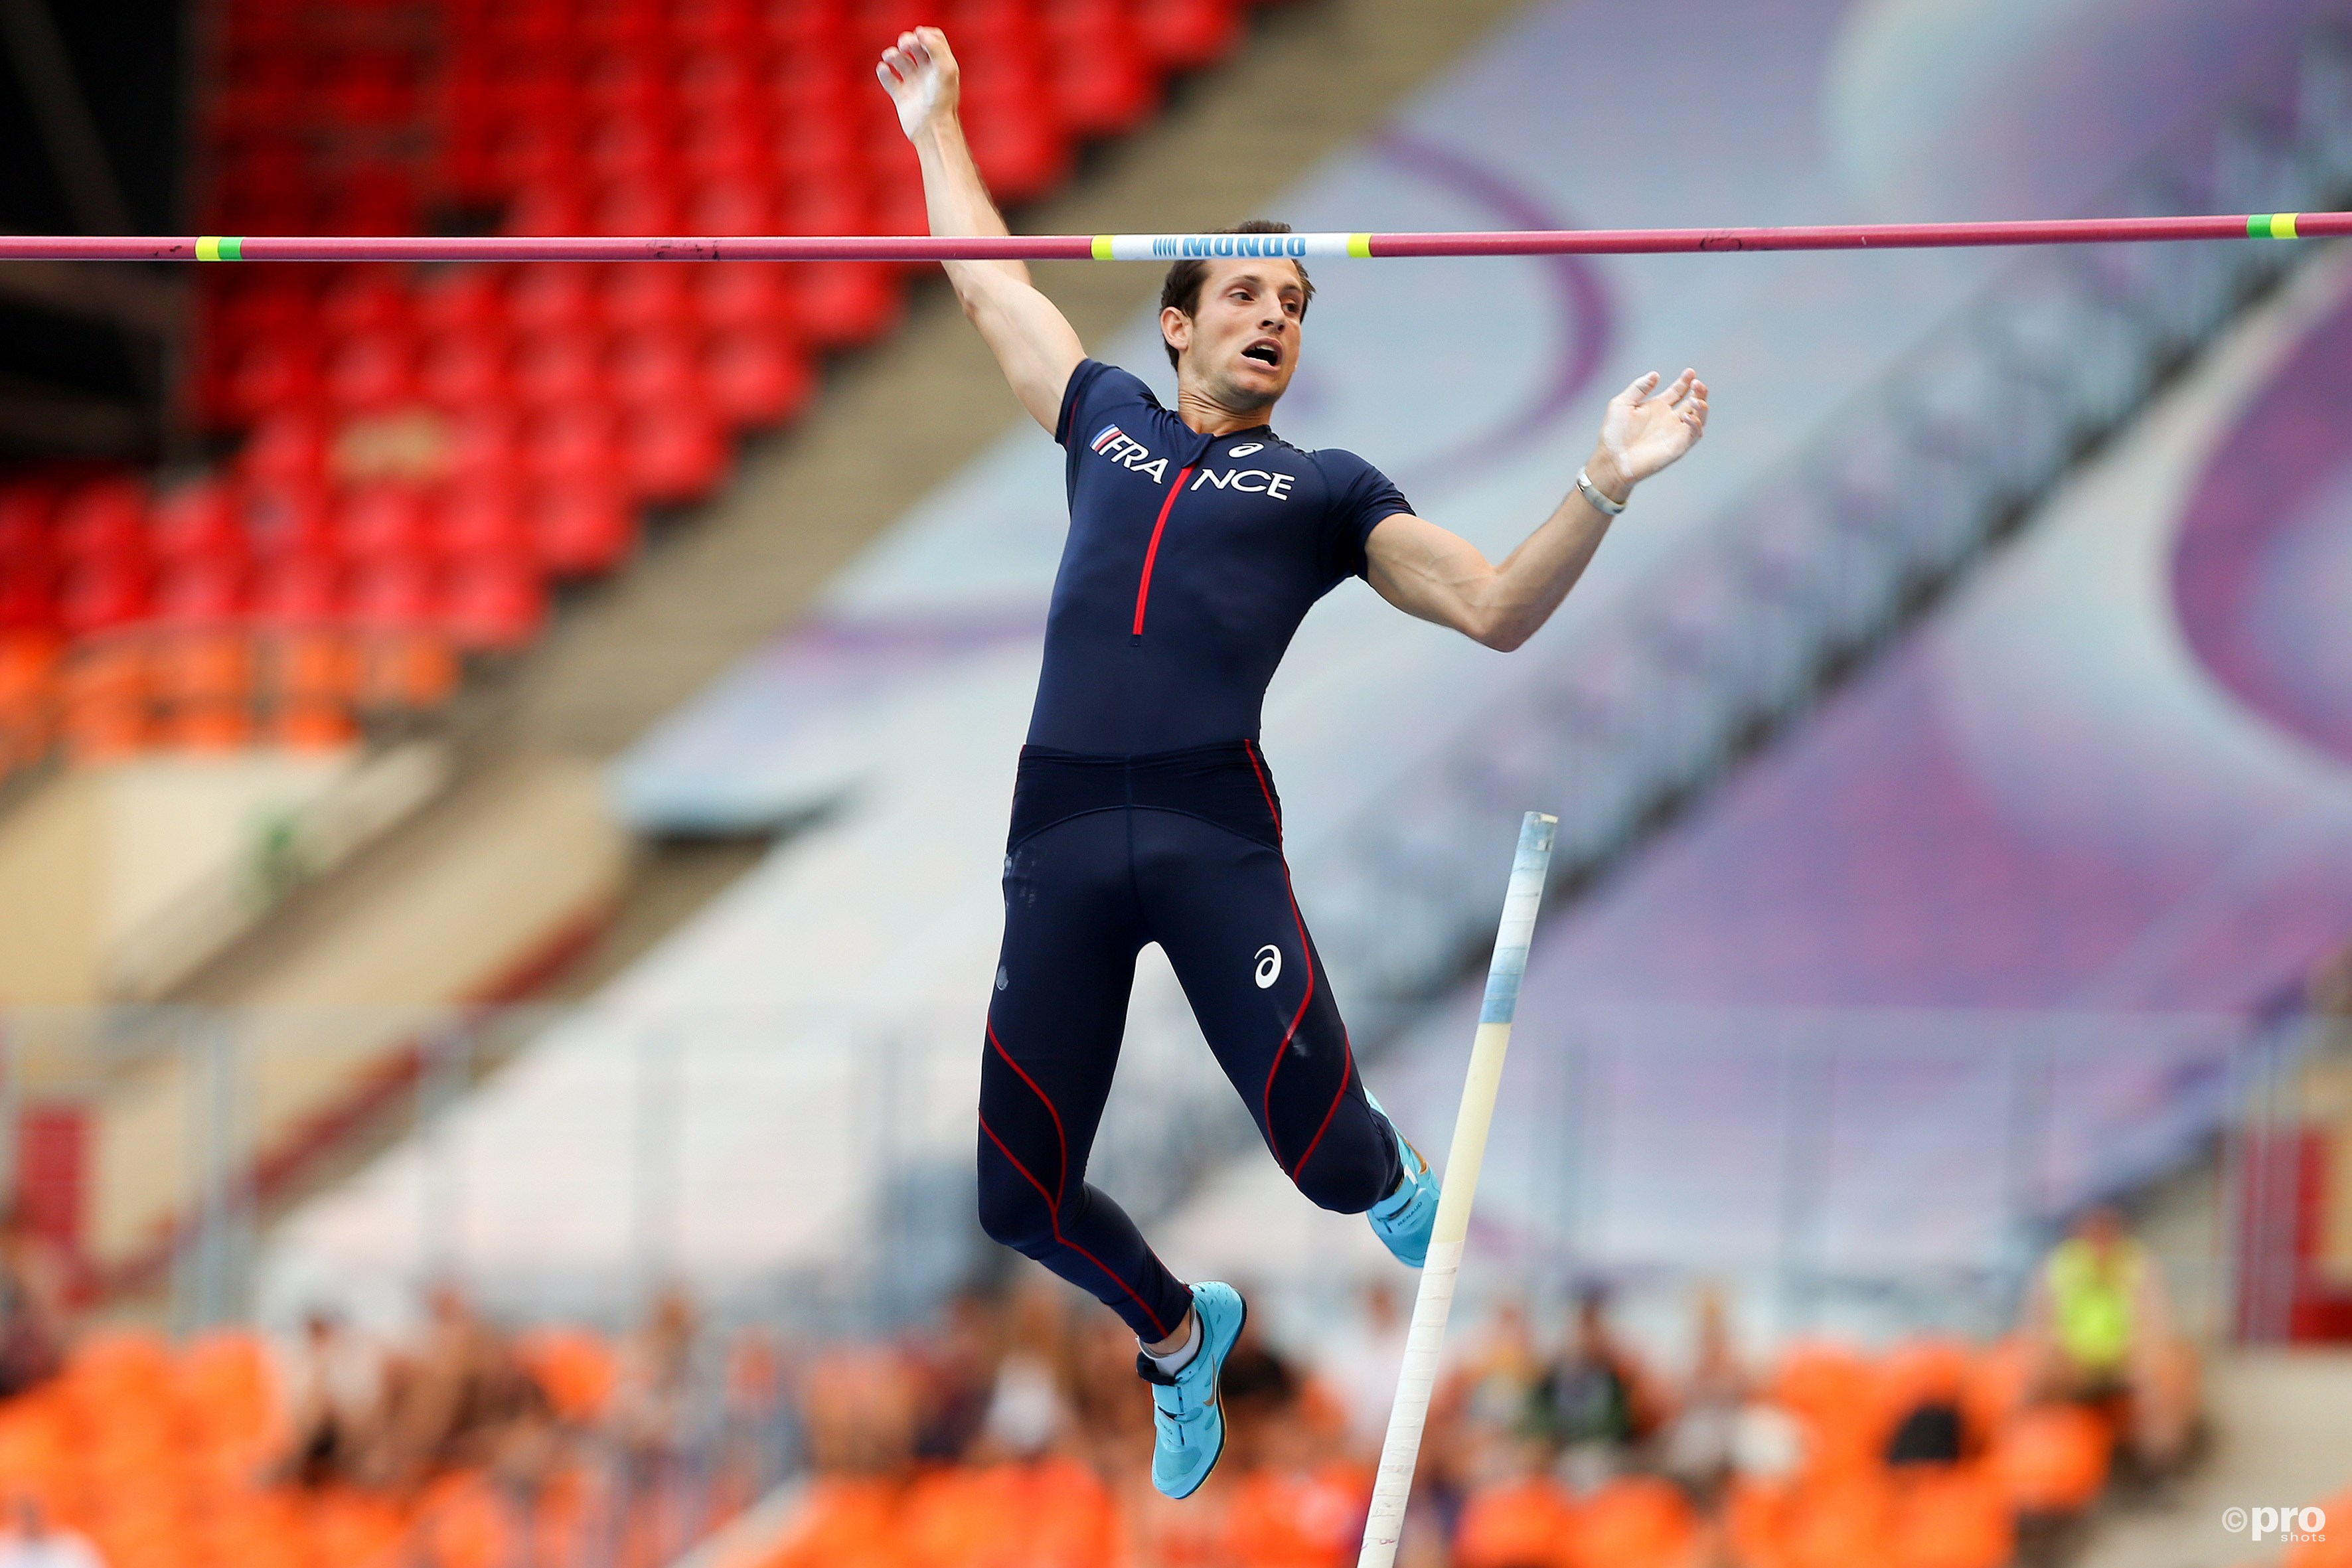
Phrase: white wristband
[1591,493]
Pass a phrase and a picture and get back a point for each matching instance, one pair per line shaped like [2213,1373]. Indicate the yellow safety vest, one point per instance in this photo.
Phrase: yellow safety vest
[2092,1303]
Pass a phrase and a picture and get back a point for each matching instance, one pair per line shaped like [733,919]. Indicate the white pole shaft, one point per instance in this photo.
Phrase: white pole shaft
[1401,1449]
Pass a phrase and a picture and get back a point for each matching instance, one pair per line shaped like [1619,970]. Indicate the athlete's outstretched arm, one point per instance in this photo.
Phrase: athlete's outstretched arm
[1425,570]
[1032,342]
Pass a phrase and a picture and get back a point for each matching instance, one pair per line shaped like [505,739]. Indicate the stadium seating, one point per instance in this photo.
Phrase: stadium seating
[160,1456]
[1845,1507]
[421,454]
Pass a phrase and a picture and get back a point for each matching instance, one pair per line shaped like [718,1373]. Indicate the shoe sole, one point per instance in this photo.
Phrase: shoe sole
[1217,1393]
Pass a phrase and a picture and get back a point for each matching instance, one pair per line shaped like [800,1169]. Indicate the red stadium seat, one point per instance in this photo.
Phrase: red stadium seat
[461,300]
[673,455]
[573,441]
[627,149]
[582,529]
[372,373]
[547,209]
[364,300]
[383,522]
[102,595]
[483,517]
[297,591]
[533,152]
[654,295]
[103,520]
[199,521]
[645,206]
[1103,82]
[654,369]
[745,297]
[200,594]
[731,206]
[554,296]
[846,304]
[626,84]
[560,366]
[466,370]
[1184,34]
[718,149]
[284,518]
[486,446]
[288,445]
[28,600]
[495,602]
[758,379]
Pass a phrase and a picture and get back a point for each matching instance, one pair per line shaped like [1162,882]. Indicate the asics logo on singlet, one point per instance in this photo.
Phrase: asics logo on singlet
[1244,449]
[1269,966]
[1127,451]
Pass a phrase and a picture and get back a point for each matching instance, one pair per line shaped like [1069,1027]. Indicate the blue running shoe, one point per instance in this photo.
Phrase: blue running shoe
[1187,1414]
[1404,1218]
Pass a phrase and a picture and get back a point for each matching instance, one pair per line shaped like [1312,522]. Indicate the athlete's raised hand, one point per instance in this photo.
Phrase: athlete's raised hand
[919,73]
[1645,430]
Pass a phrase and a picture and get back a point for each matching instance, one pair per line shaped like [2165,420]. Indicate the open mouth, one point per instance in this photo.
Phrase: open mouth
[1266,352]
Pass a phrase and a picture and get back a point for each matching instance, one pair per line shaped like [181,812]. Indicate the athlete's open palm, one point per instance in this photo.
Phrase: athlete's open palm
[1645,430]
[919,73]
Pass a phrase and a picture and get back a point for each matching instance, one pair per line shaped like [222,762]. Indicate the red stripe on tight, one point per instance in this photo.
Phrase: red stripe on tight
[1062,1169]
[1305,956]
[1151,550]
[1054,1218]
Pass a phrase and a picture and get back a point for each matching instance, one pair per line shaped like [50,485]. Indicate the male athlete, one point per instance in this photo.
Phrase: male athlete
[1143,810]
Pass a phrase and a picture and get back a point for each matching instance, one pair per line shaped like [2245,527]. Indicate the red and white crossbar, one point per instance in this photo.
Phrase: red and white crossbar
[1168,247]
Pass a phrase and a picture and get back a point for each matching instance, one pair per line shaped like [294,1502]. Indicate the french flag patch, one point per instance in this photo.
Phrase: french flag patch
[1110,433]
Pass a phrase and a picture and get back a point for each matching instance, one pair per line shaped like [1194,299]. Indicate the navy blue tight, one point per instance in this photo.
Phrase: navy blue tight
[1106,854]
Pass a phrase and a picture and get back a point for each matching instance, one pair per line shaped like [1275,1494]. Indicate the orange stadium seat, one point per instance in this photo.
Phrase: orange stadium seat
[2053,1458]
[1297,1519]
[1531,1523]
[850,1522]
[1050,1513]
[1960,1519]
[2336,1550]
[573,1366]
[1637,1521]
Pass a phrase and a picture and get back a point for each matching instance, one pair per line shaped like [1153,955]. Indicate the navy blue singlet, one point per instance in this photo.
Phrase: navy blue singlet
[1144,813]
[1189,563]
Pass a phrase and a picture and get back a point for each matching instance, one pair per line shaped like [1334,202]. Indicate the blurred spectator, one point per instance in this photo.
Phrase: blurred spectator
[1028,1411]
[31,1543]
[461,1397]
[2101,1326]
[1111,1404]
[650,1420]
[861,1407]
[1361,1364]
[1698,1447]
[33,1281]
[1595,1402]
[653,1386]
[958,1374]
[333,1386]
[760,1440]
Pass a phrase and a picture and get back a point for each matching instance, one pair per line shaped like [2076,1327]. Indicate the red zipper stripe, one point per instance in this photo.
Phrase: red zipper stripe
[1152,551]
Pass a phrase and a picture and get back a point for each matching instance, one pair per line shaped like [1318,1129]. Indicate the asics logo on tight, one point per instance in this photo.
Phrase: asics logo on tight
[1269,966]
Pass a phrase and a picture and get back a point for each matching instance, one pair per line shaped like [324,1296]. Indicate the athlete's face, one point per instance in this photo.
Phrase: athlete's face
[1241,342]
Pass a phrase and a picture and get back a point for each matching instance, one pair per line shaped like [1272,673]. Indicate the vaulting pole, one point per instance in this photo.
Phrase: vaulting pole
[1431,1306]
[1169,247]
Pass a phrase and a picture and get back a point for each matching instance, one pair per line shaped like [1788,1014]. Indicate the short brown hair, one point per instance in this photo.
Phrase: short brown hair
[1181,288]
